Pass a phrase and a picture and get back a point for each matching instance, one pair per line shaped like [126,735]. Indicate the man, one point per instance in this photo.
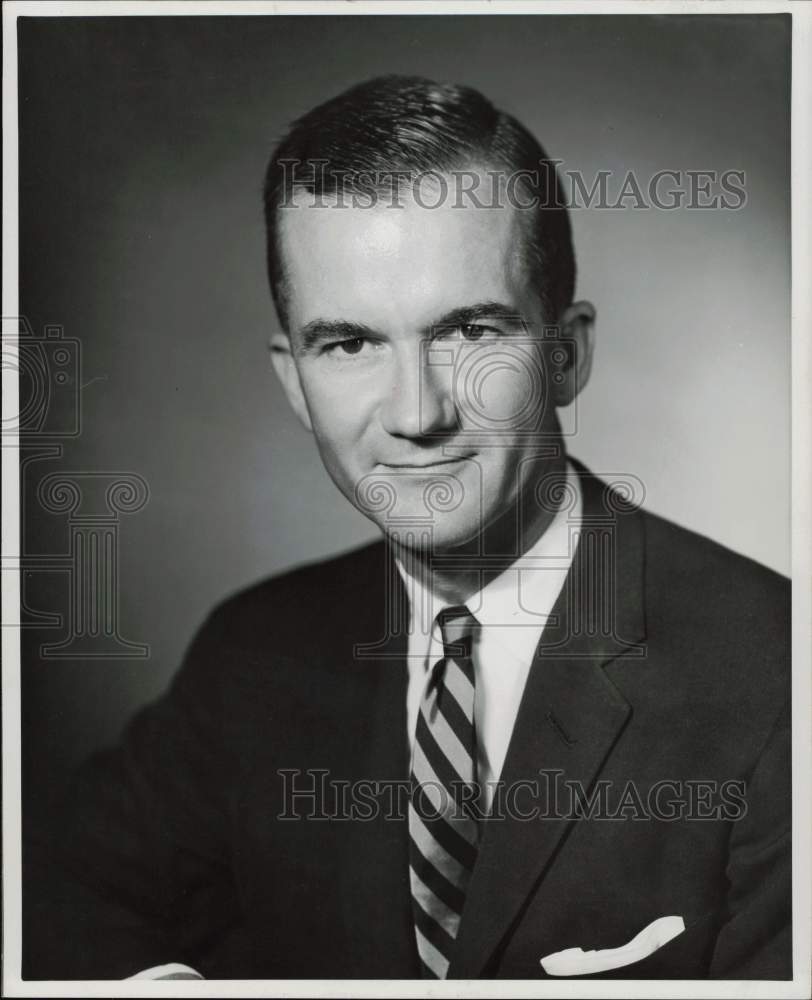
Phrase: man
[532,719]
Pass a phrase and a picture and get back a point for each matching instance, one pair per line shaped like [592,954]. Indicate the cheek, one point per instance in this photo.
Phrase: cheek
[501,388]
[341,408]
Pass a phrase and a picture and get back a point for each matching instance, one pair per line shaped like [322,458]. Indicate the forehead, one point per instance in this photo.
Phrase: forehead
[392,267]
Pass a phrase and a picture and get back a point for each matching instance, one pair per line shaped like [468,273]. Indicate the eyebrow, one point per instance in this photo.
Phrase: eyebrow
[320,331]
[480,310]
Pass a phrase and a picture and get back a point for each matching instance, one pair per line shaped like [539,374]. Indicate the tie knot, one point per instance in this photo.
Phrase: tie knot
[456,627]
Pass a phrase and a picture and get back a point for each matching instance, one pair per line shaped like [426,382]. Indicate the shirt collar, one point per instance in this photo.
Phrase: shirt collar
[515,605]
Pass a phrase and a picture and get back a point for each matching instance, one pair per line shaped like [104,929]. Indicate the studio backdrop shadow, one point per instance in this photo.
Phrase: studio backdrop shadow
[143,143]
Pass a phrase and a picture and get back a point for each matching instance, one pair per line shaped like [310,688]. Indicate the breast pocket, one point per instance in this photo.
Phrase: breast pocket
[686,956]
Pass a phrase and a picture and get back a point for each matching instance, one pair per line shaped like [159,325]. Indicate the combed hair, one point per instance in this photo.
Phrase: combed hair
[404,125]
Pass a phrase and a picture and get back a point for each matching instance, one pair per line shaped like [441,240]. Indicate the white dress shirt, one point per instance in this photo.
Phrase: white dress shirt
[512,611]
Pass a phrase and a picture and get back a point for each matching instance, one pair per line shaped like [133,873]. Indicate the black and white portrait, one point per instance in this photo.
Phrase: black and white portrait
[400,428]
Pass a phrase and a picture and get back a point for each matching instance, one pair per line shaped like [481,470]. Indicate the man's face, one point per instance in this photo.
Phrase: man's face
[417,360]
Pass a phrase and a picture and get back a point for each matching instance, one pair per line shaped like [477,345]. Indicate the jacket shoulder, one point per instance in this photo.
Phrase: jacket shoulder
[728,612]
[295,607]
[707,567]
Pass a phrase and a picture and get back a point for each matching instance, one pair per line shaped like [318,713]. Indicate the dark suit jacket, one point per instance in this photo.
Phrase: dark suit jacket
[666,661]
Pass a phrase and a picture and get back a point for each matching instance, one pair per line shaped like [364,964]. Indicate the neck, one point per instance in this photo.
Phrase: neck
[455,574]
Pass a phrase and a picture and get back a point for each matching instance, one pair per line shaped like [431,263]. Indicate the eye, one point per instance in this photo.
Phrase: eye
[473,331]
[352,346]
[468,331]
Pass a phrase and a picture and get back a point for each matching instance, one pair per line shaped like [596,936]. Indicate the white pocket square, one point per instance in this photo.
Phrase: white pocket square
[577,962]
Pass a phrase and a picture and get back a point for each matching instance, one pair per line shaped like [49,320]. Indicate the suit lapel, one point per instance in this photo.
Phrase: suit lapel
[569,719]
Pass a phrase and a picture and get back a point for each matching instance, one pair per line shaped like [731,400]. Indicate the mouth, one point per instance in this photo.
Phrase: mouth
[437,465]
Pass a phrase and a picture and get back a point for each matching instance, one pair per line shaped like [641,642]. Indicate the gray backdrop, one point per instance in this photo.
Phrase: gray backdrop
[143,143]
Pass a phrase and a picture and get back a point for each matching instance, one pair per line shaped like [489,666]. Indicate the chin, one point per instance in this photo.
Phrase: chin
[434,538]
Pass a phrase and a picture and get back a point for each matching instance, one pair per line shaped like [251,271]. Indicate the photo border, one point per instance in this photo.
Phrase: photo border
[12,984]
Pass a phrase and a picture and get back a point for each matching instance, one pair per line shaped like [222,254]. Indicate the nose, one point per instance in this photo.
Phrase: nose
[417,401]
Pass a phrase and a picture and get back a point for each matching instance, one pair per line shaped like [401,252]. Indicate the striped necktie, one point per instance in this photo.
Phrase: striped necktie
[442,826]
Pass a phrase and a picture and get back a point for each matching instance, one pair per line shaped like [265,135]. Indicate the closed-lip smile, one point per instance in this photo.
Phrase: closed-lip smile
[412,466]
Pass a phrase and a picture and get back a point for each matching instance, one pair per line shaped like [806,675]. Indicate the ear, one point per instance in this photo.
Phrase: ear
[572,365]
[288,374]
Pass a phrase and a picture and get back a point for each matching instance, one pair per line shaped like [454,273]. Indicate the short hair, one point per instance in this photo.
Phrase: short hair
[395,125]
